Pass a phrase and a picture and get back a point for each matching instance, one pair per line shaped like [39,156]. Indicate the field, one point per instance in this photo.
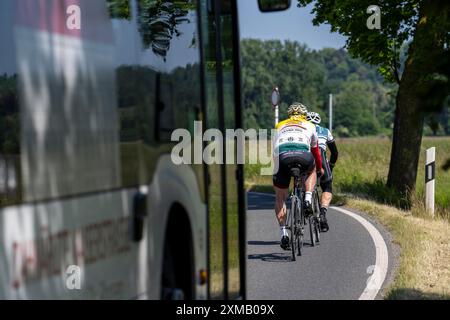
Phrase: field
[362,170]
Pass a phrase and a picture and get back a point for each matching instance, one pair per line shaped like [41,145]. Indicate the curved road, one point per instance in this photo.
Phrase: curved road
[338,268]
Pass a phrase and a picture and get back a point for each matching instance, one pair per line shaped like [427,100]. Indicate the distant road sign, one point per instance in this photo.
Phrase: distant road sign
[275,98]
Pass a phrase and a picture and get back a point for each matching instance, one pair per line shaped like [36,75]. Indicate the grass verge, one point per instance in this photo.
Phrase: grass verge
[424,266]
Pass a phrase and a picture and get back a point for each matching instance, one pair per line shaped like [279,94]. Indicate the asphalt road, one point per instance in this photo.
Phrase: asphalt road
[337,268]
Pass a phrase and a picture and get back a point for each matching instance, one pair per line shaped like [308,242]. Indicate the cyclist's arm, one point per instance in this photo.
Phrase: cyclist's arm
[333,149]
[334,152]
[316,153]
[315,150]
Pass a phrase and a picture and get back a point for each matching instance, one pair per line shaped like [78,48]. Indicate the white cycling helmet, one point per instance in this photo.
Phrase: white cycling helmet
[314,117]
[297,109]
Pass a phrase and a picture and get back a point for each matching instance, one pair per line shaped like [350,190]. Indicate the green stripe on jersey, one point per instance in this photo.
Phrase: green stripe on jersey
[285,147]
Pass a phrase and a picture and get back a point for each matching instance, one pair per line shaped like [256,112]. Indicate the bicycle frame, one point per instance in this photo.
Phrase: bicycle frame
[296,218]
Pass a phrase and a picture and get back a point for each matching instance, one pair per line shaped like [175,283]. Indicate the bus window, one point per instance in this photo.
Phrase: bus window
[215,186]
[158,79]
[10,169]
[222,113]
[234,283]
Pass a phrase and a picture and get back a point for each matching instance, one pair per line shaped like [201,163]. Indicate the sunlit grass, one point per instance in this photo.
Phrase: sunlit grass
[423,271]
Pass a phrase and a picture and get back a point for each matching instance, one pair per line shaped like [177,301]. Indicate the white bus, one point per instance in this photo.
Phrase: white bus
[91,205]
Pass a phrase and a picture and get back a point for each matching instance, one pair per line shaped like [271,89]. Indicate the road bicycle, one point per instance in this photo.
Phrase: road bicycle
[296,219]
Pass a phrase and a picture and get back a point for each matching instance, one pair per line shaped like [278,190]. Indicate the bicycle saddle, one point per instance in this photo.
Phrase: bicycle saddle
[295,170]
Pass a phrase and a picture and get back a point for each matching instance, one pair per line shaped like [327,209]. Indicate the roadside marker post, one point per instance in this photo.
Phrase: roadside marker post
[330,112]
[430,170]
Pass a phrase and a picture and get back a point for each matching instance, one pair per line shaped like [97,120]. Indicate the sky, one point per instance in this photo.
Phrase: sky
[293,24]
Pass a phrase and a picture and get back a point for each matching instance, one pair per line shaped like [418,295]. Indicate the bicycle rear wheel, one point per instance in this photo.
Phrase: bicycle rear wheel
[300,218]
[293,226]
[317,229]
[316,215]
[312,233]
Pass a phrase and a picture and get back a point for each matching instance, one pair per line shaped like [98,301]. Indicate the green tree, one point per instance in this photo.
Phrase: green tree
[290,66]
[354,110]
[309,76]
[423,79]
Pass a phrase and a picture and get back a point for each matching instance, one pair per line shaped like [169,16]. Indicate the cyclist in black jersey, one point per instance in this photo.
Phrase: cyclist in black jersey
[326,139]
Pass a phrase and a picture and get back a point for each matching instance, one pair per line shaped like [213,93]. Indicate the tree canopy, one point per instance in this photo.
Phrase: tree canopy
[363,102]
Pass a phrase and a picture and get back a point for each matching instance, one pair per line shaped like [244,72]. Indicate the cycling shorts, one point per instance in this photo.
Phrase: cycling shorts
[282,178]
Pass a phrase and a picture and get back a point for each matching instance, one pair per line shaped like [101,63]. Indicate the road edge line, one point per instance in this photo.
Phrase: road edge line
[375,282]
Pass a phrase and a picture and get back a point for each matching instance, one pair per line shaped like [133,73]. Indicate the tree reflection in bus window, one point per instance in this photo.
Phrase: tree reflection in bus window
[158,80]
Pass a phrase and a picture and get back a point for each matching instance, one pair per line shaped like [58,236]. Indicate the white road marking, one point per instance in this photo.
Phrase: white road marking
[375,282]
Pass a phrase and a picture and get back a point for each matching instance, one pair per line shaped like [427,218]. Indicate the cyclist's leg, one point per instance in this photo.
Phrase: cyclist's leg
[327,195]
[306,160]
[326,185]
[310,181]
[281,180]
[281,195]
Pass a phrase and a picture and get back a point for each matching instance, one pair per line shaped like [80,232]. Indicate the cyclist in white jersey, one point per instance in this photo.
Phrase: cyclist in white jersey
[296,143]
[326,139]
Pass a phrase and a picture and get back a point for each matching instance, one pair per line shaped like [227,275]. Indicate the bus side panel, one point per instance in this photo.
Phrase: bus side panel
[39,244]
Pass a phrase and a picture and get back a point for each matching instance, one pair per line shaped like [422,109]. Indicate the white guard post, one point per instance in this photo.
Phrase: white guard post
[430,169]
[276,115]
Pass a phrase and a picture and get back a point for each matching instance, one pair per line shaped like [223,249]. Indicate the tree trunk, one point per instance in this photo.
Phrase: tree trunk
[445,118]
[425,57]
[407,138]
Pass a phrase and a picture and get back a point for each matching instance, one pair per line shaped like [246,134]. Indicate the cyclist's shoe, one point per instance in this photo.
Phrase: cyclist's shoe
[284,243]
[323,221]
[308,209]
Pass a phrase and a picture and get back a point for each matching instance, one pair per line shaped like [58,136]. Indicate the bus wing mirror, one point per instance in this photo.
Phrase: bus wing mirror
[273,5]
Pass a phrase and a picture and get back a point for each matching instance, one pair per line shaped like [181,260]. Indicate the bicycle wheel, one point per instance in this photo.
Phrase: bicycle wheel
[317,229]
[312,233]
[316,216]
[300,225]
[292,226]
